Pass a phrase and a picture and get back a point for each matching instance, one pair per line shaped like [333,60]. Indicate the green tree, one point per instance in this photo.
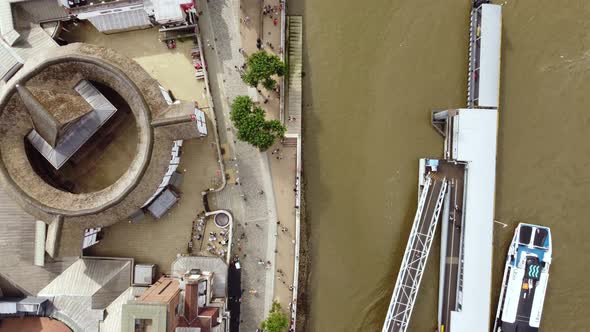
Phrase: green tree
[277,320]
[261,66]
[252,125]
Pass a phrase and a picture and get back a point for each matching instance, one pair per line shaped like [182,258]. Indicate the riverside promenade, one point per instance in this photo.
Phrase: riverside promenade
[264,202]
[267,20]
[252,201]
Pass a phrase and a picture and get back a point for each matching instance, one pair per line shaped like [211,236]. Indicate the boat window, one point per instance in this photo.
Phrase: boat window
[525,234]
[540,237]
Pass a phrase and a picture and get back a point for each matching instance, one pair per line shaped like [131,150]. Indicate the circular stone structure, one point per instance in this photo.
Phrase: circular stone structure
[63,68]
[221,220]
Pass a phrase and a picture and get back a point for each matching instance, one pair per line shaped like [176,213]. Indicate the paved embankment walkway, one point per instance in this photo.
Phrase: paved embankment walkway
[252,202]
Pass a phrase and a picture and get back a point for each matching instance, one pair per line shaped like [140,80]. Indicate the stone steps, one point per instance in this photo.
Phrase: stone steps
[294,83]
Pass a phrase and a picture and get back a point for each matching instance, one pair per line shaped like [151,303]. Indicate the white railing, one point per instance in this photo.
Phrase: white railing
[396,291]
[297,235]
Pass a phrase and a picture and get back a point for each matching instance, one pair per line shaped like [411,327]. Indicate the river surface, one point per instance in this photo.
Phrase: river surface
[374,70]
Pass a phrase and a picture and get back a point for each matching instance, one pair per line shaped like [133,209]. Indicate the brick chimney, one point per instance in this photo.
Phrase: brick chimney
[191,300]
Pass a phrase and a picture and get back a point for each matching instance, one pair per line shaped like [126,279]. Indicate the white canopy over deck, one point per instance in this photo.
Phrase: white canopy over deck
[474,141]
[487,50]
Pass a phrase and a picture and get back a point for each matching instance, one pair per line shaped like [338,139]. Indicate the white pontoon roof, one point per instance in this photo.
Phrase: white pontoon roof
[489,72]
[475,142]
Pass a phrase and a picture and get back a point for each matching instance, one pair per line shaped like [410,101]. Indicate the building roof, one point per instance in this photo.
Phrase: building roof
[40,324]
[11,305]
[17,242]
[64,103]
[163,291]
[187,329]
[76,134]
[163,203]
[7,31]
[476,144]
[87,287]
[8,59]
[90,277]
[204,263]
[24,300]
[25,12]
[68,65]
[169,10]
[119,21]
[20,33]
[33,41]
[136,311]
[112,321]
[46,125]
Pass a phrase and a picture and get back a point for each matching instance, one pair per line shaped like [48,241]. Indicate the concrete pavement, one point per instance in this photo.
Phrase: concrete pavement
[252,202]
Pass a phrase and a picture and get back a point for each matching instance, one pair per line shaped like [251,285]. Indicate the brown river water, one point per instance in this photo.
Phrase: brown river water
[374,70]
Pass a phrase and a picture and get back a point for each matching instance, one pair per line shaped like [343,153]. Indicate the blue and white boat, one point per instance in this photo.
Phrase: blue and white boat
[525,280]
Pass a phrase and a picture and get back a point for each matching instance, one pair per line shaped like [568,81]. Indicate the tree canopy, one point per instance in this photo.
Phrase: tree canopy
[261,66]
[252,126]
[277,320]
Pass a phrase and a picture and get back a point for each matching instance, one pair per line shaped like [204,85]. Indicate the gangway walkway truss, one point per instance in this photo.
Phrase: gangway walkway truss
[419,243]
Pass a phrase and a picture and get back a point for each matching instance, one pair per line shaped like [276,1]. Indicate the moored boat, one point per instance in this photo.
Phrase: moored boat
[525,280]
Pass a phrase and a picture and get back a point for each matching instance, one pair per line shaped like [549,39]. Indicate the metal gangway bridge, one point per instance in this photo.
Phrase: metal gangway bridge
[430,204]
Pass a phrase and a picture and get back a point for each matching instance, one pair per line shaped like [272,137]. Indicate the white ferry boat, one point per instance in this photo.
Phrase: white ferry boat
[525,280]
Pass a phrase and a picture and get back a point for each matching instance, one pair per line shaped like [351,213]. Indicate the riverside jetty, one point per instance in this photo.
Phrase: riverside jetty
[458,191]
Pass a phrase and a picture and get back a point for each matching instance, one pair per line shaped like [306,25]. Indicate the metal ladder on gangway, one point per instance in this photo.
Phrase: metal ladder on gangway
[419,243]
